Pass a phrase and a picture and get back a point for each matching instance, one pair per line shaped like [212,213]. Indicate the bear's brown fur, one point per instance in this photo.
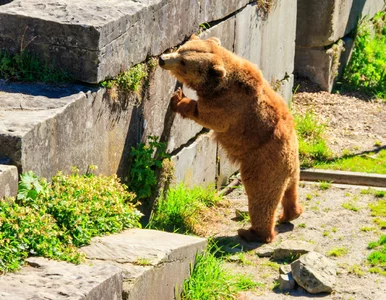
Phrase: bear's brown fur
[250,121]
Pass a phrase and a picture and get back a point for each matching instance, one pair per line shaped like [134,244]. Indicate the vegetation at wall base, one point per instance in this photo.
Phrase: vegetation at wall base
[145,160]
[25,67]
[312,146]
[210,280]
[178,211]
[367,68]
[52,219]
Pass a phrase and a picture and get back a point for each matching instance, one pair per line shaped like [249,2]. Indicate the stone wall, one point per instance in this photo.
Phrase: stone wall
[324,31]
[46,129]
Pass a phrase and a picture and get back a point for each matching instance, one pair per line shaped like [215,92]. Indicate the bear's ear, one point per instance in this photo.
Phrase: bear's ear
[193,37]
[219,71]
[216,40]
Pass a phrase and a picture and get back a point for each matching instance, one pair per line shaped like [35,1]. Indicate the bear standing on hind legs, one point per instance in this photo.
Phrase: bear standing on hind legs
[250,121]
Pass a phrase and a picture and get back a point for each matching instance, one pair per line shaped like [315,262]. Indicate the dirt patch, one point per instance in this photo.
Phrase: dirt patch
[324,223]
[355,122]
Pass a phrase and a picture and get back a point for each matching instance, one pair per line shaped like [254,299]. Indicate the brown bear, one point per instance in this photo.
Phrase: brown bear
[250,121]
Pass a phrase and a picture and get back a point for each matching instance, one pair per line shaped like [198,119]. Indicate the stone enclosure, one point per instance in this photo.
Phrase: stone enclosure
[50,128]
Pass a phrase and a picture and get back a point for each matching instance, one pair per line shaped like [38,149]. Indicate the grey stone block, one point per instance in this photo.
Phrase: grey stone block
[102,37]
[154,263]
[292,248]
[48,279]
[46,129]
[196,164]
[225,167]
[321,23]
[268,42]
[211,10]
[8,181]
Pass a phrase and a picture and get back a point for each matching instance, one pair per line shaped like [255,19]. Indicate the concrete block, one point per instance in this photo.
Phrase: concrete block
[211,10]
[284,88]
[48,279]
[225,31]
[196,164]
[8,181]
[320,65]
[102,37]
[154,263]
[225,167]
[321,23]
[47,129]
[268,42]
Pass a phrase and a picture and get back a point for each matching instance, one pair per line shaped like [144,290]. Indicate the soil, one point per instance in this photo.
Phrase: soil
[353,122]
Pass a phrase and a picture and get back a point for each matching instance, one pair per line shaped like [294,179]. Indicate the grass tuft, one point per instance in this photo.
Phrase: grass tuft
[337,252]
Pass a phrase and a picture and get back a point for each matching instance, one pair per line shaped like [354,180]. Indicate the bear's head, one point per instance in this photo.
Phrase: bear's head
[197,63]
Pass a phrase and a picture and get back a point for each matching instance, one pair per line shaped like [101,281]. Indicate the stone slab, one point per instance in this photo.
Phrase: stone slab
[196,164]
[8,181]
[225,167]
[211,10]
[268,42]
[47,279]
[345,177]
[47,129]
[321,23]
[154,263]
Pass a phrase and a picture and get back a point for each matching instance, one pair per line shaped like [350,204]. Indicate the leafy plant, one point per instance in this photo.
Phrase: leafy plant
[28,68]
[146,159]
[377,258]
[367,68]
[210,280]
[179,209]
[337,252]
[51,219]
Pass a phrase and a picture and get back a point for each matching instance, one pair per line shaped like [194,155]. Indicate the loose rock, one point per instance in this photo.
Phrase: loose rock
[314,272]
[292,248]
[286,282]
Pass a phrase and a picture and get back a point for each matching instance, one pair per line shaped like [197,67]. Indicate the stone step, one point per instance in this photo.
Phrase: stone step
[137,264]
[95,39]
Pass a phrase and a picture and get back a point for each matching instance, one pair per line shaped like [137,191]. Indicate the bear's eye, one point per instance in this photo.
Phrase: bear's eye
[183,63]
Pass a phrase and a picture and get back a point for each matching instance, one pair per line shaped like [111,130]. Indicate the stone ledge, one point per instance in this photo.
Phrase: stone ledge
[8,181]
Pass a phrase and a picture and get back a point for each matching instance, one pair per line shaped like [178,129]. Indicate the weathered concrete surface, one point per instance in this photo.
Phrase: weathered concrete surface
[8,181]
[196,164]
[320,65]
[48,279]
[154,263]
[46,129]
[211,10]
[321,23]
[270,42]
[225,167]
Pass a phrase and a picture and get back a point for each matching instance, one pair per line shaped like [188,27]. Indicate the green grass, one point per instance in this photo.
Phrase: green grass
[52,219]
[377,258]
[324,185]
[371,163]
[367,68]
[337,252]
[350,206]
[210,280]
[25,67]
[178,211]
[312,146]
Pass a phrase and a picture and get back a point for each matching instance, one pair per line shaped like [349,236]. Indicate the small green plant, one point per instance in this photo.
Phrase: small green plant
[356,270]
[367,228]
[309,197]
[141,261]
[312,146]
[146,159]
[377,258]
[350,206]
[210,280]
[378,210]
[324,185]
[367,68]
[26,67]
[326,233]
[179,209]
[337,252]
[302,225]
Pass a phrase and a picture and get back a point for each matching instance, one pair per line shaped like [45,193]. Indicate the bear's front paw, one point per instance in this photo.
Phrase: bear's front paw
[176,98]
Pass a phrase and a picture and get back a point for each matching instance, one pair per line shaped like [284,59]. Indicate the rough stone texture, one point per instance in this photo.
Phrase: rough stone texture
[211,10]
[286,282]
[292,248]
[314,272]
[196,164]
[265,251]
[46,279]
[8,181]
[321,23]
[320,65]
[268,42]
[46,129]
[165,259]
[225,168]
[285,269]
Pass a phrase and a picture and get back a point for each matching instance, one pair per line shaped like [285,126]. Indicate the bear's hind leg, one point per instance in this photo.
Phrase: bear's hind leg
[291,208]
